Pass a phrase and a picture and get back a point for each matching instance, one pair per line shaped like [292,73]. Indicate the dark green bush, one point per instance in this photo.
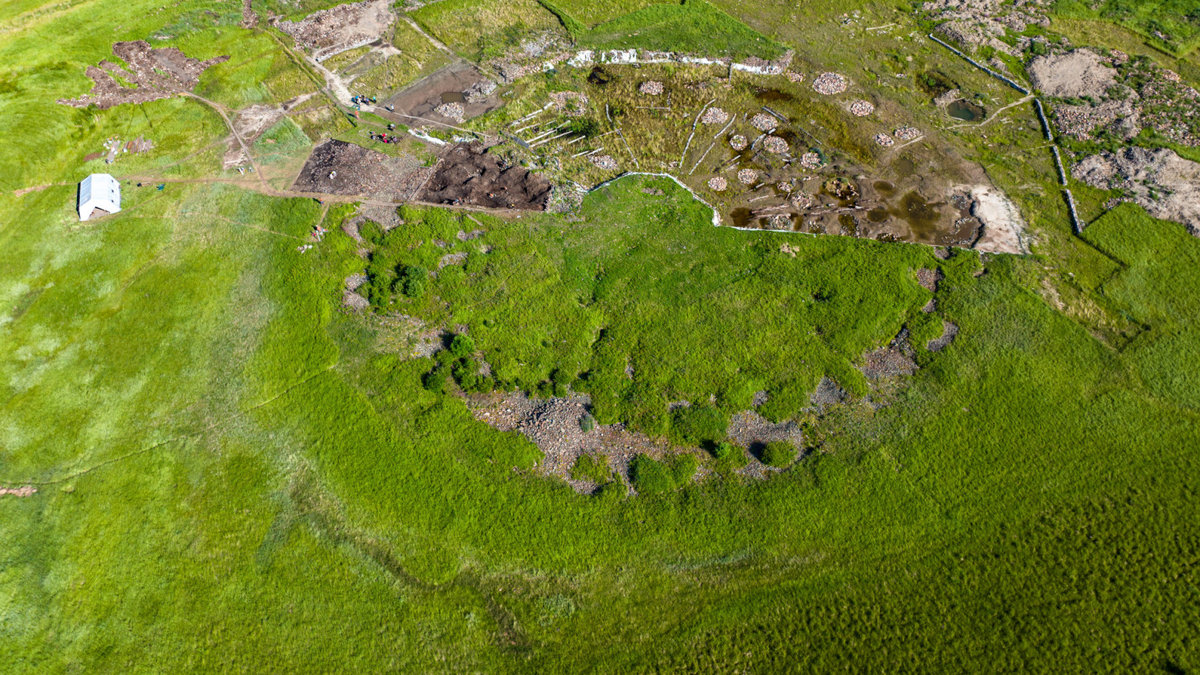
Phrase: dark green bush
[462,346]
[412,281]
[435,380]
[778,454]
[650,477]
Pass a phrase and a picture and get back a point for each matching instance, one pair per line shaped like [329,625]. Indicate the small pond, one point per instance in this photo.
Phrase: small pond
[965,111]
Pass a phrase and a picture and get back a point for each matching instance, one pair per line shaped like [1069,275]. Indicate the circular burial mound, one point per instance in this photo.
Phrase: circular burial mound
[829,84]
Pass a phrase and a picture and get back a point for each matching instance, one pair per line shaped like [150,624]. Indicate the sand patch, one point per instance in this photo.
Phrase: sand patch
[1003,227]
[1076,74]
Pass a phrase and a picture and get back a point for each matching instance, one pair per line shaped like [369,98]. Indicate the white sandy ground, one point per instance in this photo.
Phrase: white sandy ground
[1003,227]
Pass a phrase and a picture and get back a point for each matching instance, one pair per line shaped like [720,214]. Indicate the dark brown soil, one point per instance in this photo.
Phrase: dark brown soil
[470,174]
[341,168]
[156,73]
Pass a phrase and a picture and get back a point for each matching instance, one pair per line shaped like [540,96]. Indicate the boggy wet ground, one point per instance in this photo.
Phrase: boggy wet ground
[917,195]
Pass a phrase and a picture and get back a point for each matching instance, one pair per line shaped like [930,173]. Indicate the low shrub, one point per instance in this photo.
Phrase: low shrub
[591,468]
[778,454]
[698,424]
[462,346]
[650,477]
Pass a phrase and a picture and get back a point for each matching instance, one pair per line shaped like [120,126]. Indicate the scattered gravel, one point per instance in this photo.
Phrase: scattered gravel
[454,111]
[714,116]
[605,162]
[827,394]
[890,361]
[949,331]
[884,140]
[747,176]
[717,183]
[751,430]
[907,133]
[764,122]
[738,142]
[810,160]
[775,145]
[354,301]
[862,108]
[929,278]
[829,84]
[795,77]
[651,88]
[573,102]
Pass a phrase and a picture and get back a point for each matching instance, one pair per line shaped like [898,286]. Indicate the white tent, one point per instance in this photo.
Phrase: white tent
[99,191]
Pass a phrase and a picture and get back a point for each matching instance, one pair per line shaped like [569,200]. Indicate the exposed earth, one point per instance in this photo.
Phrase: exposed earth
[154,74]
[1080,73]
[341,168]
[468,173]
[1159,181]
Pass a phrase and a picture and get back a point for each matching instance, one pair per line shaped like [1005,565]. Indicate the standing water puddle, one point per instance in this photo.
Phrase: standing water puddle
[965,111]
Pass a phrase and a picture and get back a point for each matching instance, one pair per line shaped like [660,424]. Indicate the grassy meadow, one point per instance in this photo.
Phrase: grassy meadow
[236,474]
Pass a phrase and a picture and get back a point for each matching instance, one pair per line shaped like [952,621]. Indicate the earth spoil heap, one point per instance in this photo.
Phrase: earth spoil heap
[155,74]
[469,174]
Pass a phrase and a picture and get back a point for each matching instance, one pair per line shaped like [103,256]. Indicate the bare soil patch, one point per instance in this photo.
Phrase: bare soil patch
[1162,182]
[949,332]
[1076,74]
[25,491]
[554,425]
[340,28]
[154,74]
[460,83]
[891,361]
[341,168]
[469,174]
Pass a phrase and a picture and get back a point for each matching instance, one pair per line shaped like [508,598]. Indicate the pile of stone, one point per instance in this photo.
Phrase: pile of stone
[907,133]
[861,108]
[810,160]
[478,92]
[714,116]
[779,221]
[747,176]
[573,102]
[454,111]
[884,140]
[1082,121]
[651,88]
[738,142]
[800,200]
[829,84]
[763,122]
[795,77]
[717,183]
[605,162]
[775,145]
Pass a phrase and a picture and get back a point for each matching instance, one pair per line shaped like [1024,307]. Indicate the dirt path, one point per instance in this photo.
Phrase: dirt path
[432,40]
[995,115]
[229,123]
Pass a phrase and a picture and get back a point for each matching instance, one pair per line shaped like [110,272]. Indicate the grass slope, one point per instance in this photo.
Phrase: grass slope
[233,472]
[693,26]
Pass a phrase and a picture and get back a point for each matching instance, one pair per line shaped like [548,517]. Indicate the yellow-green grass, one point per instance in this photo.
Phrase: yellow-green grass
[482,29]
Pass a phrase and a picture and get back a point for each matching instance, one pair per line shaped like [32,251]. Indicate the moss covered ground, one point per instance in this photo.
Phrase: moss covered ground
[235,474]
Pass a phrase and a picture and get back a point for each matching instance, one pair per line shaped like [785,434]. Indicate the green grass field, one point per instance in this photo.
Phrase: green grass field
[235,474]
